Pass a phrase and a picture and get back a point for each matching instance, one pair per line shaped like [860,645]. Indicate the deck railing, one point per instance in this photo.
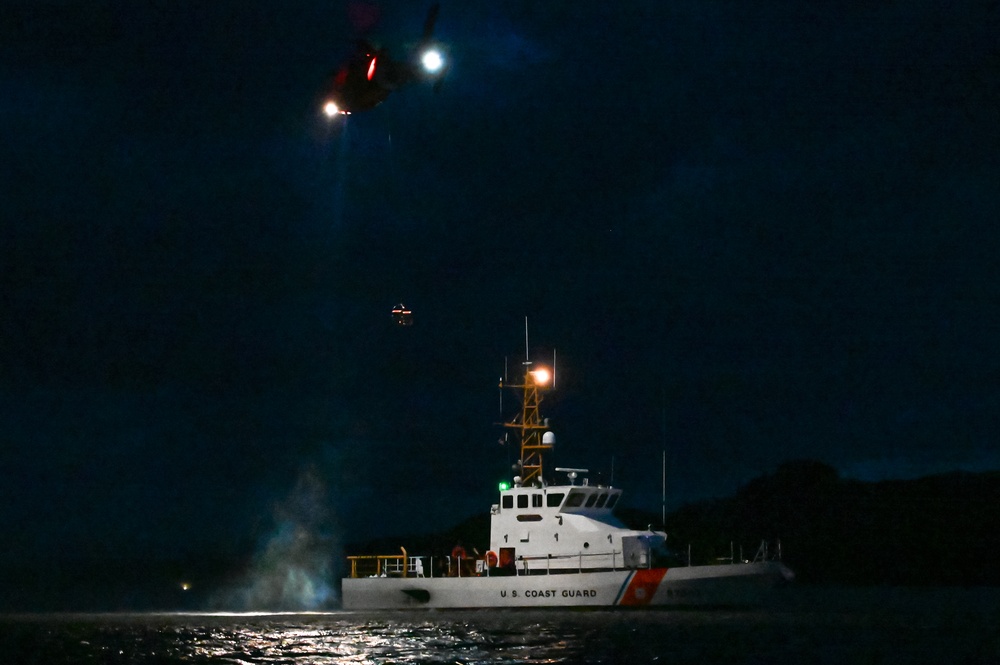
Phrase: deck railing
[402,565]
[617,557]
[381,565]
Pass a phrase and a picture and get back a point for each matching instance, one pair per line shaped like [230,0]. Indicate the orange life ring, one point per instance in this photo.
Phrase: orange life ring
[459,553]
[492,559]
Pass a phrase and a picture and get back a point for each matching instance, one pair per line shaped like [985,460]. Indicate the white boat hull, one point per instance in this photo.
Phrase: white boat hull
[735,584]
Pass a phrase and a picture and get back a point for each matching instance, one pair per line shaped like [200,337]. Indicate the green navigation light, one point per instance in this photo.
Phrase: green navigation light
[504,486]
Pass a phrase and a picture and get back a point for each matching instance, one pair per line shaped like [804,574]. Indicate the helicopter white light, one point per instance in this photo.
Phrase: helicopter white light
[332,110]
[432,60]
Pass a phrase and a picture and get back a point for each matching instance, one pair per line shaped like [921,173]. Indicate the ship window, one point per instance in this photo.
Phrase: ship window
[536,500]
[613,499]
[554,499]
[601,500]
[529,518]
[508,501]
[522,500]
[591,499]
[575,499]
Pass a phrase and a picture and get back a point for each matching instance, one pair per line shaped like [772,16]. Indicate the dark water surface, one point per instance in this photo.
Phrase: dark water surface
[802,626]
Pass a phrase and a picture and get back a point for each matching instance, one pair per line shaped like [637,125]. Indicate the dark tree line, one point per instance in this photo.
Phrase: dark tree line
[933,531]
[938,530]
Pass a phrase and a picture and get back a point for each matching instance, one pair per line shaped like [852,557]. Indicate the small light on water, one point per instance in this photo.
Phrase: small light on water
[185,586]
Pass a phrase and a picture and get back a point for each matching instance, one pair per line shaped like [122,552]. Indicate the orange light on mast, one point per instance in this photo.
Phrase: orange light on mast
[541,376]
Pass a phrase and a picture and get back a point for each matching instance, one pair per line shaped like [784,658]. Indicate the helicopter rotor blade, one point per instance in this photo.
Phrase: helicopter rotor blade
[432,14]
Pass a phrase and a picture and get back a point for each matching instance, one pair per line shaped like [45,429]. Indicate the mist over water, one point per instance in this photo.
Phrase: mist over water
[294,569]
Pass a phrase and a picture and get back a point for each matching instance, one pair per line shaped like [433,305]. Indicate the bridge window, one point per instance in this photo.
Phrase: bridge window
[536,500]
[554,499]
[576,499]
[522,500]
[591,499]
[508,501]
[613,499]
[601,500]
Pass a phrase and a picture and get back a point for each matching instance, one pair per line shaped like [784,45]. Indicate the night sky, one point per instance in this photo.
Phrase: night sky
[752,231]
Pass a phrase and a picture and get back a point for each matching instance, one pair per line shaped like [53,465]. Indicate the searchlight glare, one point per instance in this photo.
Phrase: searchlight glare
[332,110]
[432,60]
[541,376]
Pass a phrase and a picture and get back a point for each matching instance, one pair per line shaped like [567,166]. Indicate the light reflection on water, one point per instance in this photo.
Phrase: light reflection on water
[394,638]
[956,626]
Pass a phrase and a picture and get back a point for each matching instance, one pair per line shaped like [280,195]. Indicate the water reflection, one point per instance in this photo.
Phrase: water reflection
[323,639]
[898,626]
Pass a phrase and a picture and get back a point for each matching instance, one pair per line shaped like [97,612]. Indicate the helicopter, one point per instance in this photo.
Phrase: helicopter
[402,315]
[369,75]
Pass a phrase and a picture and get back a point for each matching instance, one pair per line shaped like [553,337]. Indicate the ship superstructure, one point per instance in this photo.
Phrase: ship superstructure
[557,528]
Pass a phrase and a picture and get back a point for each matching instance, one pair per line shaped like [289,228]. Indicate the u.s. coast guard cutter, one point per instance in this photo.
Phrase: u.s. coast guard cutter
[554,545]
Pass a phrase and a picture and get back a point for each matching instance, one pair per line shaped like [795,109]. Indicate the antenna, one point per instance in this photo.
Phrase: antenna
[663,432]
[527,359]
[663,511]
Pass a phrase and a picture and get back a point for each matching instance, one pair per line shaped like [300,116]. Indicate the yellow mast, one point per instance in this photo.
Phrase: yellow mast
[532,427]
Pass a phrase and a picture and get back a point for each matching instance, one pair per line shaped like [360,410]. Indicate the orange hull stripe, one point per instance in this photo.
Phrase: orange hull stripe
[642,587]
